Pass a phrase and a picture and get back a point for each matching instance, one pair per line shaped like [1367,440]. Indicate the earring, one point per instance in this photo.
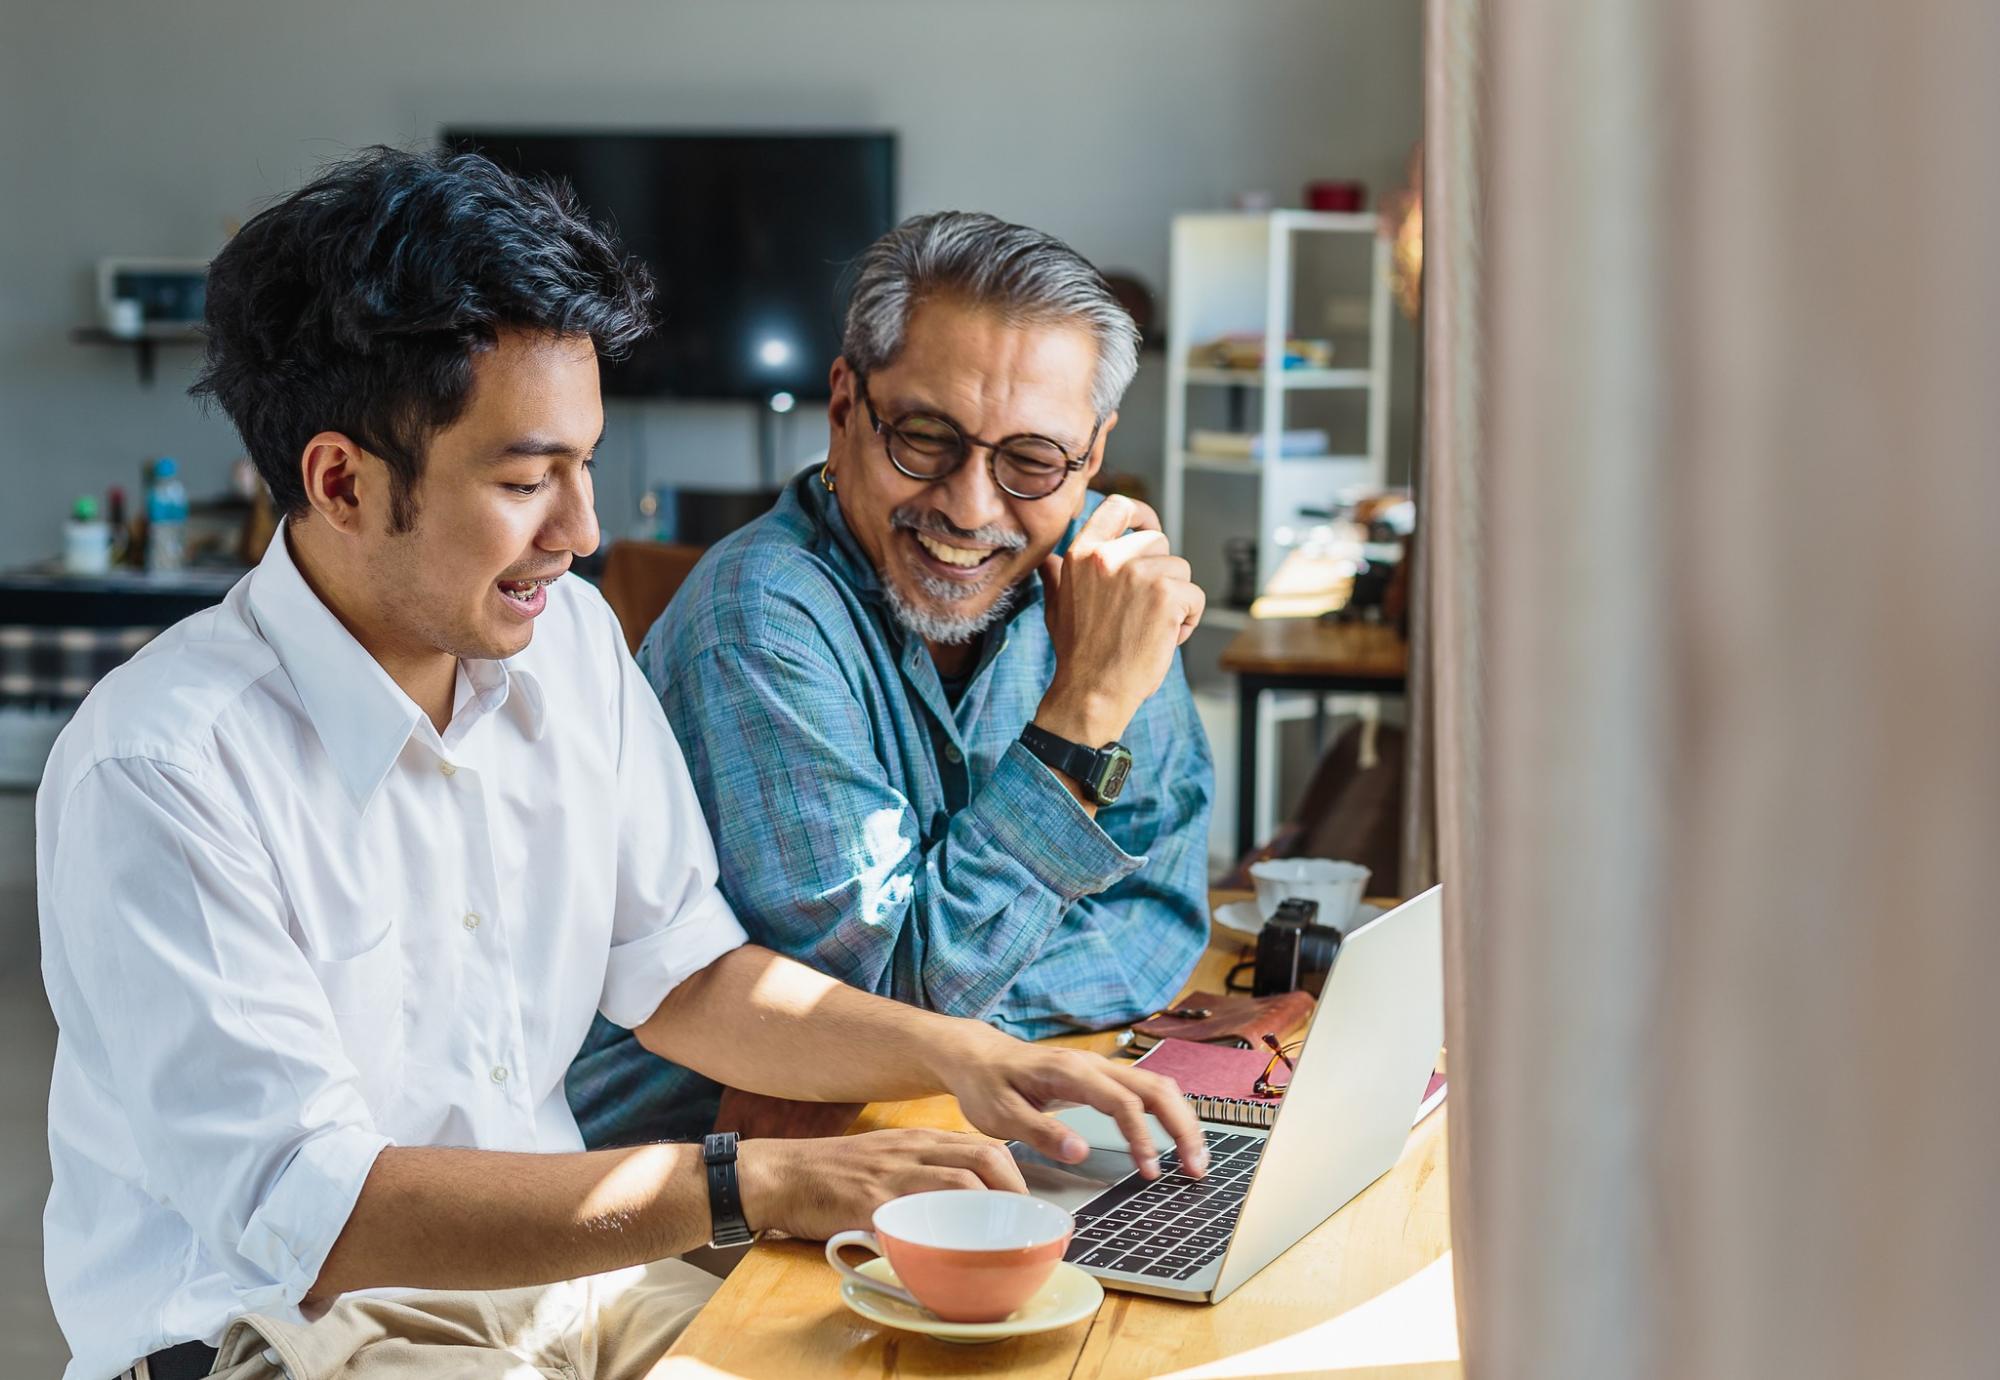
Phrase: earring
[826,477]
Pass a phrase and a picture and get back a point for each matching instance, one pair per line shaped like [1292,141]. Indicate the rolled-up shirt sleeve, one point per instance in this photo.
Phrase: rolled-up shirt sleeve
[218,1038]
[670,921]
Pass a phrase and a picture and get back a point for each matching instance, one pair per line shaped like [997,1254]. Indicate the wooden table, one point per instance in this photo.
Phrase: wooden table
[1303,654]
[1366,1294]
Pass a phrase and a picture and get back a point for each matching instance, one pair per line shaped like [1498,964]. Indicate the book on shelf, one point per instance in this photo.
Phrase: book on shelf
[1244,350]
[1249,445]
[1218,1082]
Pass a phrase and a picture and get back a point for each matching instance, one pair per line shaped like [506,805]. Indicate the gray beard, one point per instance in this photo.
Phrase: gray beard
[951,629]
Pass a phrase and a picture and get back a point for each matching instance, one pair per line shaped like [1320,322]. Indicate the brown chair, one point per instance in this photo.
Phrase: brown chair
[640,577]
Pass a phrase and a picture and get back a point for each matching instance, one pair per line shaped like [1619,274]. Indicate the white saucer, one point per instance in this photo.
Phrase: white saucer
[1069,1297]
[1244,918]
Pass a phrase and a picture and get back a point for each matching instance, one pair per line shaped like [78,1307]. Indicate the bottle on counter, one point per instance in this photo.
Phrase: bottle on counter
[86,540]
[121,531]
[166,518]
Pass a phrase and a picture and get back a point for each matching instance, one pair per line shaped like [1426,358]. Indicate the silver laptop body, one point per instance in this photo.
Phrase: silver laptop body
[1369,1050]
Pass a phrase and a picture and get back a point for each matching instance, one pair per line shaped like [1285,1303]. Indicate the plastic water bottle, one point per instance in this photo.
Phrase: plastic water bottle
[166,518]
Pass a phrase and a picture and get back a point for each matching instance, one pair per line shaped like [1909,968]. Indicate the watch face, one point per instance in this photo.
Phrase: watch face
[1117,767]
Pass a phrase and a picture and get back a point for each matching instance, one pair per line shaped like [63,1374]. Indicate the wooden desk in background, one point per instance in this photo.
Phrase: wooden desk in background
[779,1313]
[1303,654]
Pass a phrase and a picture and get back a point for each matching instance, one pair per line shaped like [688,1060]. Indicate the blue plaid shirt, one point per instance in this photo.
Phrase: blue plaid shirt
[872,829]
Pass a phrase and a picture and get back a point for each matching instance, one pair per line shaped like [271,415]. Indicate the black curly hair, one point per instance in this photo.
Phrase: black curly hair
[355,305]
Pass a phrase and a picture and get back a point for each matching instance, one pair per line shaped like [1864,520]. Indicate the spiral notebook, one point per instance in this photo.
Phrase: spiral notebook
[1217,1081]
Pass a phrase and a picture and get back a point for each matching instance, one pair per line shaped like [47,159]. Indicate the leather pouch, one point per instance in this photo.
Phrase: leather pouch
[1238,1020]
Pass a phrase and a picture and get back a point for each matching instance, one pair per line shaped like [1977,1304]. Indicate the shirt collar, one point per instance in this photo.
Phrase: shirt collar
[361,715]
[835,540]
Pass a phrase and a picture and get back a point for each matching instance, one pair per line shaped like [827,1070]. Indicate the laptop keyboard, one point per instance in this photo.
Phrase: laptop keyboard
[1173,1227]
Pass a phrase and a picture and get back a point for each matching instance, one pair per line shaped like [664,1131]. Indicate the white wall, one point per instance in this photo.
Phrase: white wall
[146,129]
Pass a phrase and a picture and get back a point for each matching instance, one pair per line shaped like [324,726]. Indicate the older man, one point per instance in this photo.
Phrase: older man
[932,702]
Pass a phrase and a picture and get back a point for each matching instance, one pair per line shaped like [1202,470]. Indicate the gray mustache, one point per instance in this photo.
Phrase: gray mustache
[935,525]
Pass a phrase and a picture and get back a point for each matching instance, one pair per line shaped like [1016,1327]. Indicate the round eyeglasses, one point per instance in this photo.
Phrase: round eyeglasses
[927,447]
[1263,1085]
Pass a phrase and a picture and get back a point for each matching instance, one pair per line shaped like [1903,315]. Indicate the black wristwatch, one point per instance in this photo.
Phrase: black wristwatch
[1100,771]
[726,1226]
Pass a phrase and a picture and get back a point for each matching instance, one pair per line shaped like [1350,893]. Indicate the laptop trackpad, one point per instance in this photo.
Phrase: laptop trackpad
[1070,1186]
[1100,1132]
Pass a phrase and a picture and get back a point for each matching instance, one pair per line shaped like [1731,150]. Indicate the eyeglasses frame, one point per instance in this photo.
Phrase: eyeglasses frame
[1263,1086]
[968,444]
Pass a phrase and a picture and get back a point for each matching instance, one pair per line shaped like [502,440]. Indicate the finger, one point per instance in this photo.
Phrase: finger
[1115,517]
[1161,566]
[1123,1106]
[1052,576]
[987,1161]
[1143,518]
[1023,1122]
[1163,1099]
[1120,552]
[996,1166]
[1112,517]
[1197,605]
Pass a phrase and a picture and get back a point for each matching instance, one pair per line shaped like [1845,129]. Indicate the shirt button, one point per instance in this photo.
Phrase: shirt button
[471,920]
[952,754]
[499,1073]
[447,769]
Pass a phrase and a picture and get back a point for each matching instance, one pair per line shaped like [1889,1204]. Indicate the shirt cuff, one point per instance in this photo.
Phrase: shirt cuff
[292,1231]
[1029,813]
[641,972]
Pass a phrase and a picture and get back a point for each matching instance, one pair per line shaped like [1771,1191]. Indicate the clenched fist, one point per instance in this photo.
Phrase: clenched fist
[1118,605]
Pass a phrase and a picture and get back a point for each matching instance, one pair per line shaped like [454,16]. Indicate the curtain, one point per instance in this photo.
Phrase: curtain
[1711,417]
[1450,631]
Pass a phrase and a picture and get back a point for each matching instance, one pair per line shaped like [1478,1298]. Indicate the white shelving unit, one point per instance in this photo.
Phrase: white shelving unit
[1236,272]
[1233,272]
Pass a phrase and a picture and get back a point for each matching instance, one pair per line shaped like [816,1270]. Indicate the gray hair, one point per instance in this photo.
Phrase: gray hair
[1025,275]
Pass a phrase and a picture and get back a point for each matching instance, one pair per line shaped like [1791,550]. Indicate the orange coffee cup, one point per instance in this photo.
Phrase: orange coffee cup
[967,1254]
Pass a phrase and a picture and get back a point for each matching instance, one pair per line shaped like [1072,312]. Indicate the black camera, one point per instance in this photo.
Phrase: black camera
[1294,951]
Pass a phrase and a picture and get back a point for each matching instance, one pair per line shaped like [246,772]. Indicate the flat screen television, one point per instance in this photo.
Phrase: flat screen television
[748,235]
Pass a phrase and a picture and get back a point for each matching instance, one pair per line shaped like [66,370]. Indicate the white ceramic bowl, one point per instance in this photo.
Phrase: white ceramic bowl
[1337,886]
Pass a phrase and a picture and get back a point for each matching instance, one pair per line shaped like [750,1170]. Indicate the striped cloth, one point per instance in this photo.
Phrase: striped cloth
[909,846]
[40,664]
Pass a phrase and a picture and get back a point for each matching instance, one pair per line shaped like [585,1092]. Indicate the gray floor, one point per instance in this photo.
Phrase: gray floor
[29,1341]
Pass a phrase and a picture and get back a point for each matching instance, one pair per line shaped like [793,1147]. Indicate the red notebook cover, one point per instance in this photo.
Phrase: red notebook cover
[1217,1080]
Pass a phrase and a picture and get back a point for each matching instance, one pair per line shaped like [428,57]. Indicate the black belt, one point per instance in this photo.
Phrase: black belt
[188,1361]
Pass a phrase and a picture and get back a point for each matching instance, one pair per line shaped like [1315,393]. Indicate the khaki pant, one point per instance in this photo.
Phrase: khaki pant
[606,1327]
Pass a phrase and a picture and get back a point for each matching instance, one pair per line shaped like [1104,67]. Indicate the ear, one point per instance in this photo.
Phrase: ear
[1097,451]
[840,407]
[334,468]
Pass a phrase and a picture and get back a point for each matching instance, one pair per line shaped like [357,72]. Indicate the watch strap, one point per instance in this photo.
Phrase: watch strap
[727,1226]
[1084,765]
[1073,760]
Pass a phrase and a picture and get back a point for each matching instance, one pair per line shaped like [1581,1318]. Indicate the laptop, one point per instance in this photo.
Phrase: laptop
[1360,1076]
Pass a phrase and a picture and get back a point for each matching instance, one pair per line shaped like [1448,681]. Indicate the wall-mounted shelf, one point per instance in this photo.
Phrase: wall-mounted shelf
[1283,378]
[1244,465]
[143,345]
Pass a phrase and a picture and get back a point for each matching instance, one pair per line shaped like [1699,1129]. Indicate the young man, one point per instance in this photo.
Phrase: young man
[942,761]
[333,877]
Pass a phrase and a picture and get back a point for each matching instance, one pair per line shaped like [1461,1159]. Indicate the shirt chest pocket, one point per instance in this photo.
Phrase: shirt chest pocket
[365,994]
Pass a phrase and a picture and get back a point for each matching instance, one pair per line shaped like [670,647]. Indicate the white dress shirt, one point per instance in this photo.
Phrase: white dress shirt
[286,923]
